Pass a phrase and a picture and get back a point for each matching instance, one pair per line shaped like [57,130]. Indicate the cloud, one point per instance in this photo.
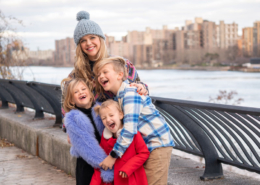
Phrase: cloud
[56,19]
[41,34]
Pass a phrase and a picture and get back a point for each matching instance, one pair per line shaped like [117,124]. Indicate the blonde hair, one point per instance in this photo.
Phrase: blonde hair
[82,67]
[105,104]
[67,86]
[119,65]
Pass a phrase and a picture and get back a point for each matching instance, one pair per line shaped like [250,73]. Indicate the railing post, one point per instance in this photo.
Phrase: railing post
[19,104]
[4,102]
[213,168]
[55,104]
[38,109]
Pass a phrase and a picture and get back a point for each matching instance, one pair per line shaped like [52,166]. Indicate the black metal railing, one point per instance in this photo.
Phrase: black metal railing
[39,96]
[219,133]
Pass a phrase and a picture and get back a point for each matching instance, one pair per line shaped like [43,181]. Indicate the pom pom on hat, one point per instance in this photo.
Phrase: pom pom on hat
[86,27]
[82,15]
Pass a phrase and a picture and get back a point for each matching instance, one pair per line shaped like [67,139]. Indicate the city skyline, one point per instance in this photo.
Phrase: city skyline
[44,23]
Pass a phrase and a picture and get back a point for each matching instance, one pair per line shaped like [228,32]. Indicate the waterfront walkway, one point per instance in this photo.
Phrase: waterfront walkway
[20,168]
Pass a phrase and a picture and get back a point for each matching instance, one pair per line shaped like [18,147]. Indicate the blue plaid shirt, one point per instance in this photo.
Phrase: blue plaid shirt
[140,115]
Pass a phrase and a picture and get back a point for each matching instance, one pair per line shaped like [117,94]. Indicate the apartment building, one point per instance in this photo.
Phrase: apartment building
[247,38]
[135,37]
[227,35]
[162,46]
[189,44]
[64,53]
[120,48]
[142,55]
[109,40]
[209,35]
[143,48]
[206,34]
[192,39]
[41,56]
[256,38]
[189,25]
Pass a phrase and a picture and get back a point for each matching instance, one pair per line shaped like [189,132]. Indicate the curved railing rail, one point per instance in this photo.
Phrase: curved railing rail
[219,133]
[39,96]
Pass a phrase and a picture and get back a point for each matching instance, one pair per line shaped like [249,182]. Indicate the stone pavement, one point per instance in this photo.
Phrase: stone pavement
[184,171]
[20,168]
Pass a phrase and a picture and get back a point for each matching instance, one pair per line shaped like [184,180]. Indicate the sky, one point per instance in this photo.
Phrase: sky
[45,21]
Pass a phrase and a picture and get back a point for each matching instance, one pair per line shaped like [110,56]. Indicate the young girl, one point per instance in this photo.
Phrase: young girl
[129,168]
[84,128]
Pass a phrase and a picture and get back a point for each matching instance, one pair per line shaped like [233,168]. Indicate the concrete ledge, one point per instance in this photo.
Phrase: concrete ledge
[37,137]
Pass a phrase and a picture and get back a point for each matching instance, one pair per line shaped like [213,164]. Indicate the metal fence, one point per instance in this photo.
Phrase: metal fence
[39,96]
[219,133]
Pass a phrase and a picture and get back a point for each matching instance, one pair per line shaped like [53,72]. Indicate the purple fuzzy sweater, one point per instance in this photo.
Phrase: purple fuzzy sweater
[84,142]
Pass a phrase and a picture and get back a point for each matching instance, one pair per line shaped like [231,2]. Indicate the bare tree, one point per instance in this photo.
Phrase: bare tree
[211,58]
[232,53]
[225,97]
[12,52]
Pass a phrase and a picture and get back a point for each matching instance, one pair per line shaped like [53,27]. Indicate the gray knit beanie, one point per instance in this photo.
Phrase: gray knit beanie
[86,27]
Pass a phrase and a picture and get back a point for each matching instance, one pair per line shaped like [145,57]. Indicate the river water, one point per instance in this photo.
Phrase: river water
[177,84]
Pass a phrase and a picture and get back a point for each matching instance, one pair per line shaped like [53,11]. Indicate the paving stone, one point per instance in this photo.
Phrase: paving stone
[184,171]
[20,168]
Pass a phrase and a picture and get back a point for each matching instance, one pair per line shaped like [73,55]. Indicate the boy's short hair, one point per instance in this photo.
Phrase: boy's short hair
[105,104]
[67,86]
[119,65]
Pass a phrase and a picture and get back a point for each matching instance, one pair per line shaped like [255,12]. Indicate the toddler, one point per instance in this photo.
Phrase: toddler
[129,168]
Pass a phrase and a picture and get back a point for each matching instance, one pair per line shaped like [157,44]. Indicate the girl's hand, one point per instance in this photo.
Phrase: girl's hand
[140,88]
[122,174]
[108,163]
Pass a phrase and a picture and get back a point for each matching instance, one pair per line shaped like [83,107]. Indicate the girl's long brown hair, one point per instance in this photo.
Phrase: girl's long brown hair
[82,67]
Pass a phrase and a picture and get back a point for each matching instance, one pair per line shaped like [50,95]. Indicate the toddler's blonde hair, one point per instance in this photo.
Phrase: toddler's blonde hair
[105,104]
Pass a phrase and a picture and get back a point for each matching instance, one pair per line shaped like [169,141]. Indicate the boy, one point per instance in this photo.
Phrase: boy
[139,115]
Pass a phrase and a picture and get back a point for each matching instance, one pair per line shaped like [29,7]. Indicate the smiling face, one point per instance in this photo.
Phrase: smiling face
[109,79]
[90,45]
[111,118]
[81,96]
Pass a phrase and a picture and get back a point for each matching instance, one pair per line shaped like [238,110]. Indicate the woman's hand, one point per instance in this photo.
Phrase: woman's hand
[122,174]
[108,162]
[140,88]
